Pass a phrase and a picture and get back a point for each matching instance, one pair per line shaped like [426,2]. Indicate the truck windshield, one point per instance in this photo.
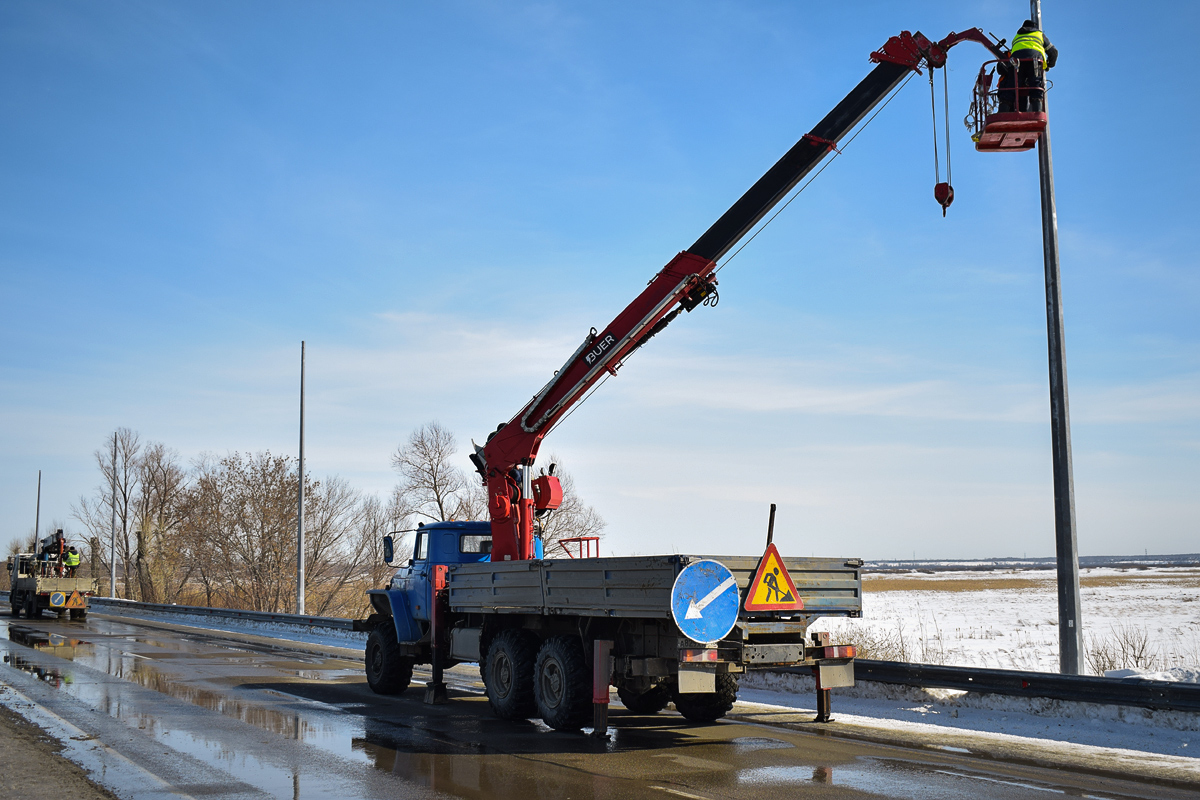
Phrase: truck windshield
[475,543]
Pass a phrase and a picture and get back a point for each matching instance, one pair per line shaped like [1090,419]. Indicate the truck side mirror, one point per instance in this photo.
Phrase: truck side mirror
[389,550]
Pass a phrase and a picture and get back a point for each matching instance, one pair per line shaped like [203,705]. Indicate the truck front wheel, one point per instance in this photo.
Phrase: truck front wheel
[508,674]
[388,672]
[563,688]
[708,706]
[649,702]
[14,604]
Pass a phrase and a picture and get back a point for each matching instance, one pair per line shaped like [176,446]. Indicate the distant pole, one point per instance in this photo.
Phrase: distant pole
[771,526]
[37,517]
[112,551]
[1070,630]
[300,500]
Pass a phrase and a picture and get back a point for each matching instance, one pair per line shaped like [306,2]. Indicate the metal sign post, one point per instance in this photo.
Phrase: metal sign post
[1070,631]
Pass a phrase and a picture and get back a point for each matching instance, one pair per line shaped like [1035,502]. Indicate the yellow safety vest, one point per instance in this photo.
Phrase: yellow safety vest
[1030,41]
[71,559]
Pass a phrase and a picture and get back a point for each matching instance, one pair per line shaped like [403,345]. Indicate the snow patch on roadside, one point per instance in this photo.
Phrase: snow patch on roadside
[1174,675]
[329,637]
[1172,733]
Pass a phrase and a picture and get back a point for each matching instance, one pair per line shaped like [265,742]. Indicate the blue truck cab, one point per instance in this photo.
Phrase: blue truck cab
[408,596]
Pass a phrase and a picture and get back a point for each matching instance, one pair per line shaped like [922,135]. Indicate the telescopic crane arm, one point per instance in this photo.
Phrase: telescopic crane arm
[506,461]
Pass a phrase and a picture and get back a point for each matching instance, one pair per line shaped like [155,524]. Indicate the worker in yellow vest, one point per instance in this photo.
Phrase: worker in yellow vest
[71,561]
[1033,53]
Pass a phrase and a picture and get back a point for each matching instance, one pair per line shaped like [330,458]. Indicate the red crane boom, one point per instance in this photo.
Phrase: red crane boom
[506,461]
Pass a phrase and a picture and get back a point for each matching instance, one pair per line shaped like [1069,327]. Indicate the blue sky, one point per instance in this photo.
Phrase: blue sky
[442,199]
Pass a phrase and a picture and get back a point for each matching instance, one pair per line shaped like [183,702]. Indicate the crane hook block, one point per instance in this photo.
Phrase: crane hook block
[944,194]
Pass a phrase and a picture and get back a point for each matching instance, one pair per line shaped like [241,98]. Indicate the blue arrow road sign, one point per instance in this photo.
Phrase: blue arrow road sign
[704,601]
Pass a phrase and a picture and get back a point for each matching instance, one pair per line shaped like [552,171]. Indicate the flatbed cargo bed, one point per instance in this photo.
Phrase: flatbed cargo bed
[636,586]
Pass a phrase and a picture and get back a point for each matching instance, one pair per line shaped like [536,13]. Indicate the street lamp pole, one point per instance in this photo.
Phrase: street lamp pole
[300,500]
[1070,631]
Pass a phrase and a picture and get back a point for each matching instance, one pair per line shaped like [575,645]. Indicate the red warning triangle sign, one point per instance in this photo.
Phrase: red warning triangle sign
[772,588]
[76,601]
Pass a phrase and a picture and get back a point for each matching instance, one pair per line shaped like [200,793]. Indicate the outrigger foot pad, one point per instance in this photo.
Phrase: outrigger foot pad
[435,693]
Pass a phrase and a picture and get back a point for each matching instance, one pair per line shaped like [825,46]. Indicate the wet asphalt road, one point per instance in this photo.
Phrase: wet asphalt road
[160,711]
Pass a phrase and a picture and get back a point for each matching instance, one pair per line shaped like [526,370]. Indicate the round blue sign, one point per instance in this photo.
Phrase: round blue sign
[705,601]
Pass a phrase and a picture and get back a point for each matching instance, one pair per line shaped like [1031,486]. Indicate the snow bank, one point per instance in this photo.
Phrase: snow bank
[1174,675]
[329,637]
[870,704]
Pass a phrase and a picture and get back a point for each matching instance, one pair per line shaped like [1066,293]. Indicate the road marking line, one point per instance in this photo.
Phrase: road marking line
[679,792]
[68,732]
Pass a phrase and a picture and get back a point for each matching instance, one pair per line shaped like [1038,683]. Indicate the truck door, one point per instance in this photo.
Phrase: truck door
[418,582]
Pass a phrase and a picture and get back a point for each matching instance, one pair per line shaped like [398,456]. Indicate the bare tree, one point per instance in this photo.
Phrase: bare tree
[430,484]
[572,519]
[200,531]
[159,505]
[256,539]
[332,556]
[119,467]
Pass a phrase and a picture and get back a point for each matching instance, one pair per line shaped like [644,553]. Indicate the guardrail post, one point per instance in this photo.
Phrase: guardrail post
[601,675]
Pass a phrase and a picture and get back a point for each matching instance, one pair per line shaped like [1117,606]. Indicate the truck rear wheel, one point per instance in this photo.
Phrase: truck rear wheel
[31,609]
[563,688]
[649,702]
[388,672]
[508,674]
[709,706]
[79,613]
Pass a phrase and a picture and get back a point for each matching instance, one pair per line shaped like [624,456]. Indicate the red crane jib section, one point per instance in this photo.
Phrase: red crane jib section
[680,286]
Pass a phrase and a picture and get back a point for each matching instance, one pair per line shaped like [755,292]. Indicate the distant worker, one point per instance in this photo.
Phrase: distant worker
[1033,52]
[71,561]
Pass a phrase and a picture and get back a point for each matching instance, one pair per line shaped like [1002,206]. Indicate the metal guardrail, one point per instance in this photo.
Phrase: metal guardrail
[110,605]
[1157,695]
[116,605]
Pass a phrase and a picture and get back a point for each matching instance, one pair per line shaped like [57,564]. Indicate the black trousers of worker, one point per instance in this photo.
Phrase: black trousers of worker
[1022,88]
[1031,80]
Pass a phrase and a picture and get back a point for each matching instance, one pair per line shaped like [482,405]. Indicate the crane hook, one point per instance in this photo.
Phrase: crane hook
[943,192]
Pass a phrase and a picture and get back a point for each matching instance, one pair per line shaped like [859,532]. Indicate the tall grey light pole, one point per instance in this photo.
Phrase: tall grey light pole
[300,500]
[1070,630]
[112,550]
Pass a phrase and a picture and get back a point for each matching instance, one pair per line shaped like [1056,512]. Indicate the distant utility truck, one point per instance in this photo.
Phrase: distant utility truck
[45,580]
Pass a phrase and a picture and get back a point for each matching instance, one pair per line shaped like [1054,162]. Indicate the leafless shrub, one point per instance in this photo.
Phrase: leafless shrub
[1127,647]
[875,642]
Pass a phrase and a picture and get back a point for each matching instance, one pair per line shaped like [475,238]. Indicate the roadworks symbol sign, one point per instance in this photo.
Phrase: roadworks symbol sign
[76,601]
[772,588]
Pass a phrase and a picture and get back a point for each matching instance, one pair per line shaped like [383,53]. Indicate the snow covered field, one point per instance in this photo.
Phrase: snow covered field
[1144,618]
